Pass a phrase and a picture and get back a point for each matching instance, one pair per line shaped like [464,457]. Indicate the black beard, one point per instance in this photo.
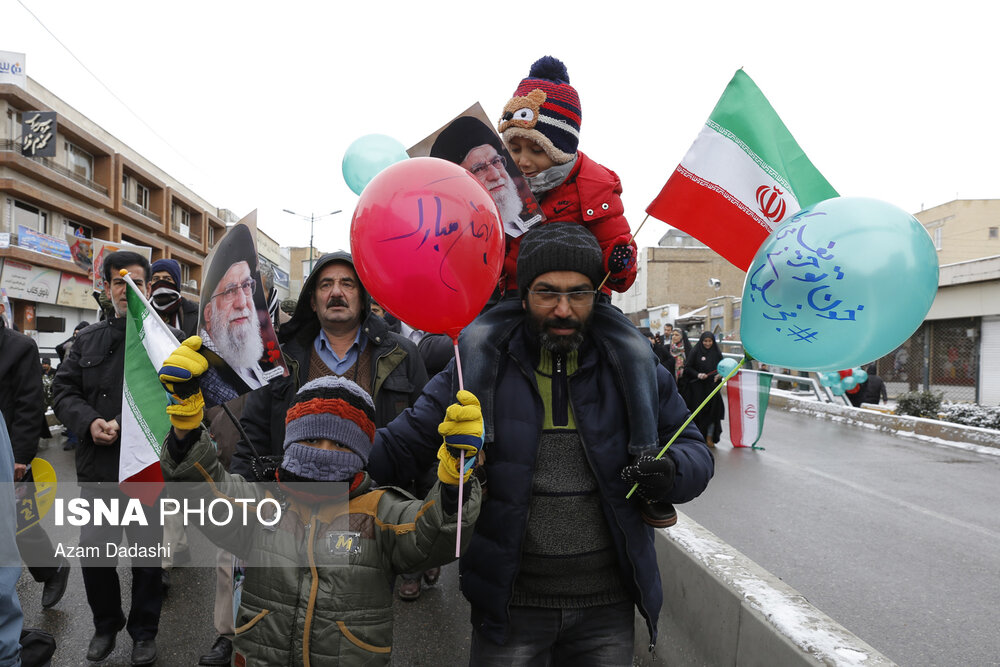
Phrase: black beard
[561,344]
[558,343]
[334,301]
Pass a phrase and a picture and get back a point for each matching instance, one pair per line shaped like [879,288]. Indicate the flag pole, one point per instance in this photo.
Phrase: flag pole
[630,240]
[692,416]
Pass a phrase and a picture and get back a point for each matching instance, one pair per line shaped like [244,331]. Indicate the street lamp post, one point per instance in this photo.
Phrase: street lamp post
[312,221]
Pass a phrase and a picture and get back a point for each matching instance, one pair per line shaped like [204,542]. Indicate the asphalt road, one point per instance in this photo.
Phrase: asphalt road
[897,539]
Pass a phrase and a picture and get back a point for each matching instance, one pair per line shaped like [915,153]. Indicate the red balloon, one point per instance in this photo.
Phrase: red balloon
[846,374]
[427,243]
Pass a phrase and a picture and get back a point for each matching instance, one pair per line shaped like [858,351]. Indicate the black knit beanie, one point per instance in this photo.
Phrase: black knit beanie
[558,246]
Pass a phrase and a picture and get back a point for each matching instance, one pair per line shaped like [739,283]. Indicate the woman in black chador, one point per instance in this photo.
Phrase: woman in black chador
[702,377]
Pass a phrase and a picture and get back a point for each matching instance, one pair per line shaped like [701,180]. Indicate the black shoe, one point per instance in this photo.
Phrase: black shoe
[144,652]
[220,655]
[55,586]
[101,646]
[658,515]
[165,583]
[69,445]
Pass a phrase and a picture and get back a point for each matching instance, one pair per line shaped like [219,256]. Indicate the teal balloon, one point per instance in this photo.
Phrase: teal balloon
[726,366]
[828,379]
[859,374]
[849,382]
[838,389]
[838,285]
[367,156]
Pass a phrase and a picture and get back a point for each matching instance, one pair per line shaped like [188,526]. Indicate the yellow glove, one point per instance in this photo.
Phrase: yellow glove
[462,429]
[179,375]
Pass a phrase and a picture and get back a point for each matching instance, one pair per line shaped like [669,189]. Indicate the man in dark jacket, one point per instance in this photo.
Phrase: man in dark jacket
[873,389]
[165,295]
[333,332]
[560,558]
[88,398]
[22,403]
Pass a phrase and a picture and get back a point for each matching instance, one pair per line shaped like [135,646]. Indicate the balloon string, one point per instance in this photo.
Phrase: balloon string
[458,365]
[692,416]
[632,238]
[461,459]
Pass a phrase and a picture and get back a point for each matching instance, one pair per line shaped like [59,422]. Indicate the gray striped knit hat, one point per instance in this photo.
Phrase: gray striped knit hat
[334,408]
[558,246]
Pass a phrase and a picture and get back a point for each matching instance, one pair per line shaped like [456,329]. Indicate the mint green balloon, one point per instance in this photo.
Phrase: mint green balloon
[838,285]
[367,156]
[726,366]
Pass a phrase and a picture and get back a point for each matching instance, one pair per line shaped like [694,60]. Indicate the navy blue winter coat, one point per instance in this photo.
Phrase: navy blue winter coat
[491,564]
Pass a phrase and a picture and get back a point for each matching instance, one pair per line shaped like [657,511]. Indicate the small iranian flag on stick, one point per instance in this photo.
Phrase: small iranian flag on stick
[743,176]
[148,342]
[748,392]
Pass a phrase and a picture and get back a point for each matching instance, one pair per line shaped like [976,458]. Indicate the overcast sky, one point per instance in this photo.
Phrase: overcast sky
[257,102]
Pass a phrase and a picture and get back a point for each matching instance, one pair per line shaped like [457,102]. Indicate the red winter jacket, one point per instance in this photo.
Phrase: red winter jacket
[590,195]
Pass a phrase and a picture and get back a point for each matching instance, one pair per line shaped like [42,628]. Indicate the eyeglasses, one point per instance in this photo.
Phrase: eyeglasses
[479,170]
[547,299]
[248,287]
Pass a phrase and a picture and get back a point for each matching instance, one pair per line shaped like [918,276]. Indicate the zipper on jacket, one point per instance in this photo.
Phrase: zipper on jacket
[560,392]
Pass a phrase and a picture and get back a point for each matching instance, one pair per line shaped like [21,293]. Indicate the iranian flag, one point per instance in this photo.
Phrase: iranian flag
[148,342]
[748,392]
[743,176]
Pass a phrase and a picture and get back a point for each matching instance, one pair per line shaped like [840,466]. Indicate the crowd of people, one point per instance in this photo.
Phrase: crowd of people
[558,410]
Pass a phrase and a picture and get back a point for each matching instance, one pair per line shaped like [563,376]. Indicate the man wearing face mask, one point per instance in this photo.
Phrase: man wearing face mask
[166,297]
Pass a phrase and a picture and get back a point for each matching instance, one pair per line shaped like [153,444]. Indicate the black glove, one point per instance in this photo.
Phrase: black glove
[655,477]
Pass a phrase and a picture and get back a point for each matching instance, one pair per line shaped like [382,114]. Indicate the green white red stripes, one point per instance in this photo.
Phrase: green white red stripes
[148,342]
[748,393]
[741,178]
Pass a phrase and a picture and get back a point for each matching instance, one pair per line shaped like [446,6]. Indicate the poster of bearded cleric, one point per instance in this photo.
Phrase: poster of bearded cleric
[471,142]
[237,336]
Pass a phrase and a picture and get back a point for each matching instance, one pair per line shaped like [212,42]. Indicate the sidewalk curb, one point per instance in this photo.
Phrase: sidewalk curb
[897,424]
[721,608]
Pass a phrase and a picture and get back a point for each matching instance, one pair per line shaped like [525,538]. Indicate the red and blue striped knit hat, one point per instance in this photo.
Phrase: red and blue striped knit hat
[545,109]
[334,408]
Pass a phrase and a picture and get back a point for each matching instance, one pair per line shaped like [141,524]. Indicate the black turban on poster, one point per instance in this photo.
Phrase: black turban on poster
[236,246]
[465,133]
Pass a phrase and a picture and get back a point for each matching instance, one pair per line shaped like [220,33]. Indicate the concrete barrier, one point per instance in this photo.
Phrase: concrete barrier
[721,608]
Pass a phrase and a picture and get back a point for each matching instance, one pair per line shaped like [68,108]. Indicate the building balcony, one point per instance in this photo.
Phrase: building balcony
[13,145]
[132,206]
